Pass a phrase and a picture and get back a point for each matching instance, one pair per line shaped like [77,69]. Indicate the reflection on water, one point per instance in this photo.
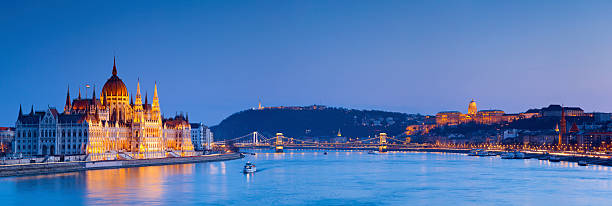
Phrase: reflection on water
[309,177]
[143,183]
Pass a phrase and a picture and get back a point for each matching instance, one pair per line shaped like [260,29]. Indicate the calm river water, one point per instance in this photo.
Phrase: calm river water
[306,177]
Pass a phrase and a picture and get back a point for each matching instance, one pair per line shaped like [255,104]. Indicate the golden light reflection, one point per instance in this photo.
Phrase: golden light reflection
[117,185]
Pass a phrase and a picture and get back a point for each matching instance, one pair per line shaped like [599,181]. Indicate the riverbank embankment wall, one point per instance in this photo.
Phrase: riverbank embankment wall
[60,167]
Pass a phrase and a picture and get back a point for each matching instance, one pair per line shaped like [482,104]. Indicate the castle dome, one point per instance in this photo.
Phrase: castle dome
[114,86]
[472,108]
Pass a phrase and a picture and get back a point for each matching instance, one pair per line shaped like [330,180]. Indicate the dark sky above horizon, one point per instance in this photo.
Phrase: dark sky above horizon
[214,58]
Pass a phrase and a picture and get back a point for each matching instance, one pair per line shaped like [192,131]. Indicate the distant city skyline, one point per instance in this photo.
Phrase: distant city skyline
[222,57]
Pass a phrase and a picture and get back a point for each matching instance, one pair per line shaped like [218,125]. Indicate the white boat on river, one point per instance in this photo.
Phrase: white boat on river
[249,168]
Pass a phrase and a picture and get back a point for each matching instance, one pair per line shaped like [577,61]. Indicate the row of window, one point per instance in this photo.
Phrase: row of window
[51,133]
[65,147]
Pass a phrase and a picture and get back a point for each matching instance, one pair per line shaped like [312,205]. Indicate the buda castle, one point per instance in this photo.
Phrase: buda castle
[479,117]
[111,126]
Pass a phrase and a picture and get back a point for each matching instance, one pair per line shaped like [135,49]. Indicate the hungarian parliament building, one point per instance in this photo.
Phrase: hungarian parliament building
[114,125]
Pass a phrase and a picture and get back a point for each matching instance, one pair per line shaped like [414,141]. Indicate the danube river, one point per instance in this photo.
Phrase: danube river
[306,177]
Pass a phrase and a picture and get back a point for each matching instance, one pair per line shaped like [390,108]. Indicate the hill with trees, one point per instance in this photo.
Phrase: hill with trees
[314,121]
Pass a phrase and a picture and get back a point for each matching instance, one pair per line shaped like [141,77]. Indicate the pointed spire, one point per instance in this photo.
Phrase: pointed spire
[79,93]
[93,98]
[20,111]
[155,111]
[138,116]
[32,110]
[138,88]
[146,98]
[114,67]
[138,95]
[94,93]
[155,92]
[68,105]
[131,100]
[68,96]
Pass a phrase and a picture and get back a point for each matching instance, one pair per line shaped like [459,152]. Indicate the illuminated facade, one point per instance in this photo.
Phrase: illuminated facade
[493,116]
[472,108]
[450,118]
[111,127]
[479,117]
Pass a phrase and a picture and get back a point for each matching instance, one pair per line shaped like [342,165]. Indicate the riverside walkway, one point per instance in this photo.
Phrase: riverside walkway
[61,167]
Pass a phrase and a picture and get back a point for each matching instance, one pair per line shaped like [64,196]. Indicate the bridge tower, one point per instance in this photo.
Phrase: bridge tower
[279,142]
[255,142]
[383,142]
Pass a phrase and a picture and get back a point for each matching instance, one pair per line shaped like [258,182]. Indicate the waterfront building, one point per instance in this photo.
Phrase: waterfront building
[197,136]
[594,138]
[110,126]
[201,137]
[338,139]
[539,139]
[7,135]
[510,133]
[210,138]
[177,135]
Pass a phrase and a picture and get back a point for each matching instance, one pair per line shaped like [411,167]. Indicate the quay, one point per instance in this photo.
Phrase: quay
[447,150]
[62,167]
[255,140]
[565,157]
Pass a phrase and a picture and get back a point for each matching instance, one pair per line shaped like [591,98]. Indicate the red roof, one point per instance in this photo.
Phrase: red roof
[574,128]
[6,129]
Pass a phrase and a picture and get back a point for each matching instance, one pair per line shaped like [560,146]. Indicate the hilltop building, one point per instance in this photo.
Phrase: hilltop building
[472,108]
[555,110]
[479,117]
[110,126]
[451,118]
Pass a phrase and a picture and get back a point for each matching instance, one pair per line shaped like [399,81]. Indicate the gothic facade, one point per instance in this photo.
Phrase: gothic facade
[111,126]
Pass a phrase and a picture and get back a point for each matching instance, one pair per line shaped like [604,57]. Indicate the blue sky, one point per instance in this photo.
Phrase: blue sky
[213,58]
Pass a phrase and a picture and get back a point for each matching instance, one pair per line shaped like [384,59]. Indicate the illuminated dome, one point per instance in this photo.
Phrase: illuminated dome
[472,108]
[114,86]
